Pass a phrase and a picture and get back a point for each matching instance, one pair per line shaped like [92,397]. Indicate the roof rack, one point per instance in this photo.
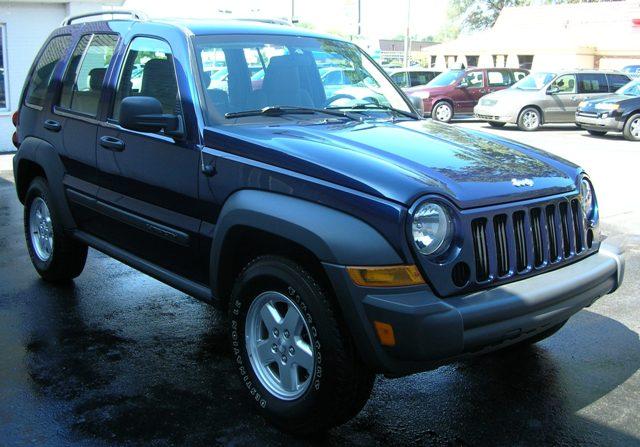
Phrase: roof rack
[135,14]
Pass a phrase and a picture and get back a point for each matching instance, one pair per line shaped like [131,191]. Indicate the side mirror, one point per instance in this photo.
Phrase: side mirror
[417,104]
[463,84]
[553,90]
[144,114]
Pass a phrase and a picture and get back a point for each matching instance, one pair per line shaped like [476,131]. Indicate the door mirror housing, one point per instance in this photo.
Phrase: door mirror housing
[553,90]
[144,114]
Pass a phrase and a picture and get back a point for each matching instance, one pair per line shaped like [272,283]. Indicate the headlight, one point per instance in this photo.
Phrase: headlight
[588,201]
[421,94]
[582,104]
[610,107]
[432,229]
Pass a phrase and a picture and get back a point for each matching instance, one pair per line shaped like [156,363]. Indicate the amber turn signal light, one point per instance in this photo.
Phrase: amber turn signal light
[391,276]
[385,333]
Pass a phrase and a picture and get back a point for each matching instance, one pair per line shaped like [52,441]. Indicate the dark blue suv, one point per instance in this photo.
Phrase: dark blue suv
[344,235]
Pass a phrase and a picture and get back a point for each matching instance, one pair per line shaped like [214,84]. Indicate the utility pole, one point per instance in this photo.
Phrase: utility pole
[407,36]
[359,17]
[293,10]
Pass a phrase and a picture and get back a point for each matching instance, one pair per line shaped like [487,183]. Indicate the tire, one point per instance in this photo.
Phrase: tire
[631,129]
[496,124]
[597,133]
[332,391]
[55,255]
[529,119]
[442,111]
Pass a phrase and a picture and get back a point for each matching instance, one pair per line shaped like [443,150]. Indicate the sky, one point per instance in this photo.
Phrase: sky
[380,18]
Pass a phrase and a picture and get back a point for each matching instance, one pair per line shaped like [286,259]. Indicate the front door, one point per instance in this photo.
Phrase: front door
[562,100]
[469,91]
[148,181]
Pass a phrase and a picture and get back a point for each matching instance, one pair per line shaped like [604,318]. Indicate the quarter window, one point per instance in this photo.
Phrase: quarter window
[43,70]
[82,83]
[592,83]
[616,81]
[149,70]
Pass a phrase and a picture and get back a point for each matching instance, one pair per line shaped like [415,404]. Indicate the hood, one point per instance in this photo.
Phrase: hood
[611,99]
[404,160]
[512,93]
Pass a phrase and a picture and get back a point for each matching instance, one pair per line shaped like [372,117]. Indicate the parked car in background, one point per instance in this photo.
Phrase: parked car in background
[458,91]
[413,76]
[547,97]
[616,113]
[632,70]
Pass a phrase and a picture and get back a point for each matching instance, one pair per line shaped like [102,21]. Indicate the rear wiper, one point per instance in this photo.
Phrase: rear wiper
[373,106]
[286,110]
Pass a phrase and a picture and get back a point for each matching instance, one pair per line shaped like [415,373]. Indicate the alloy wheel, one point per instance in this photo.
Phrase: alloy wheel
[634,128]
[530,119]
[279,346]
[41,229]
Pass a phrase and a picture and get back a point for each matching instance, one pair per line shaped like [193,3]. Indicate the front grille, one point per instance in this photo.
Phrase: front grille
[526,240]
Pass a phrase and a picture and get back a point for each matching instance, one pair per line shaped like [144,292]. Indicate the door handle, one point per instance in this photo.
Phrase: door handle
[52,125]
[112,143]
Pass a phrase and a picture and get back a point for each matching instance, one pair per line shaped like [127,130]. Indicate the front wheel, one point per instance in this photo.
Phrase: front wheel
[442,111]
[597,133]
[631,129]
[529,119]
[54,254]
[296,360]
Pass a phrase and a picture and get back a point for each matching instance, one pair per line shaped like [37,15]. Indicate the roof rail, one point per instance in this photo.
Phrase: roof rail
[135,14]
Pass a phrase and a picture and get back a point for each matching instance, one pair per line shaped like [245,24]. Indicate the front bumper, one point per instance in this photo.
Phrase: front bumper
[593,121]
[491,113]
[431,331]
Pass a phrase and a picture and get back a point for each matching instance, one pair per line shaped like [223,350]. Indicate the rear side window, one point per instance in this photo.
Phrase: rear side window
[499,78]
[592,83]
[418,78]
[400,78]
[148,70]
[82,83]
[616,81]
[42,72]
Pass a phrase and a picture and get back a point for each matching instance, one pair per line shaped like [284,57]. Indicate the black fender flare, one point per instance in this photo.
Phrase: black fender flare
[332,236]
[45,155]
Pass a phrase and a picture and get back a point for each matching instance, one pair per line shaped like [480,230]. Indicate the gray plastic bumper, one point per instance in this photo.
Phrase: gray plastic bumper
[432,331]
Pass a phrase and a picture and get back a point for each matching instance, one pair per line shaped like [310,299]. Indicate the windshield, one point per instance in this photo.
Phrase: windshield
[534,81]
[630,89]
[290,71]
[446,78]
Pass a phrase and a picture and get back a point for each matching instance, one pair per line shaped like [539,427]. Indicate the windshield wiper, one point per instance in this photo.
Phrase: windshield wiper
[373,106]
[287,110]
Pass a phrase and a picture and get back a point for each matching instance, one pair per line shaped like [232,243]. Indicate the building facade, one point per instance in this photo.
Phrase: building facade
[24,26]
[550,37]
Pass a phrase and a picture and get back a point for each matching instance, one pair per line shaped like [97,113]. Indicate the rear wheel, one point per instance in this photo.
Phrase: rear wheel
[55,255]
[529,119]
[631,129]
[496,124]
[442,111]
[295,359]
[597,133]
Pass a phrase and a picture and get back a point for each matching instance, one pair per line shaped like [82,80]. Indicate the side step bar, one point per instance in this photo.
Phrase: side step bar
[181,283]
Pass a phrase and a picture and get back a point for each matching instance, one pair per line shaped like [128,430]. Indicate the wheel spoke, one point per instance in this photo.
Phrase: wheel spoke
[270,316]
[265,353]
[293,321]
[303,356]
[288,376]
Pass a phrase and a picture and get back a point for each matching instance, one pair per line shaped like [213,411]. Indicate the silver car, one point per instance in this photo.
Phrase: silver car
[546,97]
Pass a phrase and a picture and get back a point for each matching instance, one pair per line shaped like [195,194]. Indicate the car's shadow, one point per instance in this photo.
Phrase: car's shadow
[137,363]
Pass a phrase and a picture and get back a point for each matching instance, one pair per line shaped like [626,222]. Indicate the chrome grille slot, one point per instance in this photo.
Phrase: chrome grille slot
[536,227]
[553,237]
[502,249]
[564,220]
[520,243]
[577,219]
[479,228]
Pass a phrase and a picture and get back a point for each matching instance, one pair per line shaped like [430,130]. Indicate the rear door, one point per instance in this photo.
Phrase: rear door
[591,85]
[560,107]
[148,181]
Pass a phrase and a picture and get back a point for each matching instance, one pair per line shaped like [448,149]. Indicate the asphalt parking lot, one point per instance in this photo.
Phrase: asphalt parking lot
[117,358]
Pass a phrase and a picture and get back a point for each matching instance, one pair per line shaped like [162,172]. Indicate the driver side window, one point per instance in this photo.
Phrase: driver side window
[566,84]
[474,79]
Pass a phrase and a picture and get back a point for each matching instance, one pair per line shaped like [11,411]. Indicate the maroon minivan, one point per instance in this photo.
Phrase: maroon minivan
[458,91]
